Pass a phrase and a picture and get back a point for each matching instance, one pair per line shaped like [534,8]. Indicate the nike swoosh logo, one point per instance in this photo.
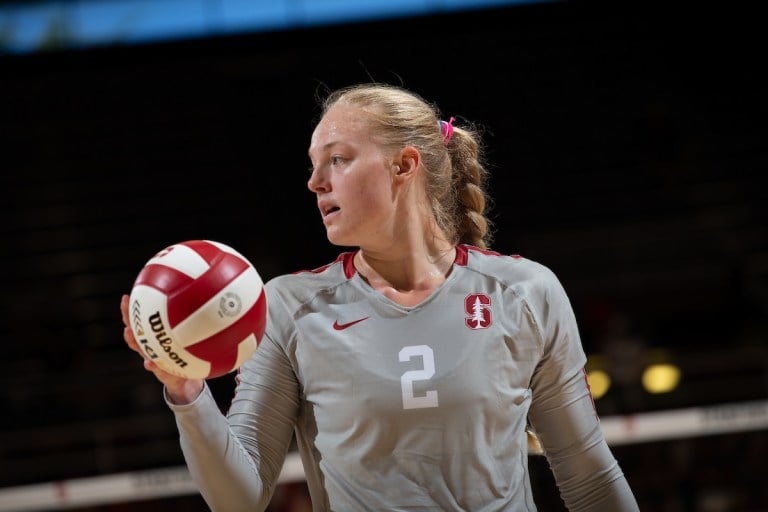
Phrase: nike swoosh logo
[341,327]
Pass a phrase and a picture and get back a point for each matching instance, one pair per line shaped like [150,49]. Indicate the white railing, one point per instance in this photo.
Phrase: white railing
[176,481]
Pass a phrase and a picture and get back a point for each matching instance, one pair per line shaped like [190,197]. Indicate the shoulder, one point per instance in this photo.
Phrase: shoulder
[511,270]
[527,280]
[290,294]
[301,286]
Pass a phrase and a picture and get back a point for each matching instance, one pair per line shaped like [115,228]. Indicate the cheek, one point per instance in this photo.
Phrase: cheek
[373,196]
[371,187]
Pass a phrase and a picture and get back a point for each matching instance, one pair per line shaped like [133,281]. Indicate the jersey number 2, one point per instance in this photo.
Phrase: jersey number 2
[406,380]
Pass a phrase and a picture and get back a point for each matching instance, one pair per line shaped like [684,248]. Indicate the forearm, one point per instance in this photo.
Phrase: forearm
[592,481]
[588,476]
[223,471]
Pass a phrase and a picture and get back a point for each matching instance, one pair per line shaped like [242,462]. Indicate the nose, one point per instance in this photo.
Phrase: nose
[317,182]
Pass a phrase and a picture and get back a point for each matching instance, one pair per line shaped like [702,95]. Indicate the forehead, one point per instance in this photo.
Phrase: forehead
[339,124]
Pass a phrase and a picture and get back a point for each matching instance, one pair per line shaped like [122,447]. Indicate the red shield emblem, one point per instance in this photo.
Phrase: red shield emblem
[478,309]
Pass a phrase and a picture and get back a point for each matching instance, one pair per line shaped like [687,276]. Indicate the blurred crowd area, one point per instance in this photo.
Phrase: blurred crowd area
[646,131]
[723,473]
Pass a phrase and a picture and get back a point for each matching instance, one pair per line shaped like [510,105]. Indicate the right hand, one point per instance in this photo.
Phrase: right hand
[180,390]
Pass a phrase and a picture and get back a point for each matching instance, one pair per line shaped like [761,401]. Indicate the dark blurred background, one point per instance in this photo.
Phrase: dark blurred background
[627,144]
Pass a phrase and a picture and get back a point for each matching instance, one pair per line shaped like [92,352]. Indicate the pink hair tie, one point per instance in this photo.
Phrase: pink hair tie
[446,129]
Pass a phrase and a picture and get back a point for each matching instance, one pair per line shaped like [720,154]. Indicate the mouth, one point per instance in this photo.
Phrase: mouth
[330,213]
[328,209]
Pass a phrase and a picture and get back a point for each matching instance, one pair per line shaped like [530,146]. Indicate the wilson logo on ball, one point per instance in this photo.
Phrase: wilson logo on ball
[198,309]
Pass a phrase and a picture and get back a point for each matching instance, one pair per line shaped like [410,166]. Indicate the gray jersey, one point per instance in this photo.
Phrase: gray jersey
[409,408]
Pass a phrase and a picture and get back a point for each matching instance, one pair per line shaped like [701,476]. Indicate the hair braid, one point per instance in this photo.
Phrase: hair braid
[469,177]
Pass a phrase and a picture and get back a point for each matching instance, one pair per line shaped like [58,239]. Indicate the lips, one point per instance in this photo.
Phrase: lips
[327,208]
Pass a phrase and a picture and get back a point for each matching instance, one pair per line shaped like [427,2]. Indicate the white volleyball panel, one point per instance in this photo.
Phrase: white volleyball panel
[245,350]
[224,309]
[181,258]
[225,248]
[149,321]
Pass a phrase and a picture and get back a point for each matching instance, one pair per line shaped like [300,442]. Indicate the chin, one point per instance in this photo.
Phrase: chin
[340,241]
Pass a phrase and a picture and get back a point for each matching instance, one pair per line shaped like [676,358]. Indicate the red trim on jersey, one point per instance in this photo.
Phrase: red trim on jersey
[349,264]
[463,250]
[221,348]
[462,255]
[589,390]
[345,258]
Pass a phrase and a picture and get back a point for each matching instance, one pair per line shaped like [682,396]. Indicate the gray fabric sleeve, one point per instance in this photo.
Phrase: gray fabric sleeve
[564,417]
[236,460]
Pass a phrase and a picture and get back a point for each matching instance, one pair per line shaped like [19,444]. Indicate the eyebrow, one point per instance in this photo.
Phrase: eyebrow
[325,147]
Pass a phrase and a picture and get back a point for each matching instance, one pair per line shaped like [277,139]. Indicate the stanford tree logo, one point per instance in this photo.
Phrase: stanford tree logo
[478,309]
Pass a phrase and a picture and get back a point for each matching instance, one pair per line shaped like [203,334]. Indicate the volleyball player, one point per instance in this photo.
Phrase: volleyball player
[408,368]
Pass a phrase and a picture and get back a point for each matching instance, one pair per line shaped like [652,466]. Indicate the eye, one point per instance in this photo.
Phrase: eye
[336,160]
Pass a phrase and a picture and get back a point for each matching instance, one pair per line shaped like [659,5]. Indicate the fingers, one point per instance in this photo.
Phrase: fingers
[130,339]
[128,336]
[179,389]
[169,380]
[160,374]
[150,366]
[124,308]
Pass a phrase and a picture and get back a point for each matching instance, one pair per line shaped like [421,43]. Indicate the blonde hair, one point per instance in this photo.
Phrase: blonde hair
[454,172]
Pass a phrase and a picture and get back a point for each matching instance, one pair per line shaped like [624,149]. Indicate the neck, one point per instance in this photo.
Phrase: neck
[407,271]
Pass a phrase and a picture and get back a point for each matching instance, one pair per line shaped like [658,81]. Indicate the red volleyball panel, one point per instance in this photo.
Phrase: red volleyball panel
[163,278]
[208,251]
[221,348]
[224,269]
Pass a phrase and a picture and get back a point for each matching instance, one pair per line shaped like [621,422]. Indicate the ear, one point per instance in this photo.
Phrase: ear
[407,163]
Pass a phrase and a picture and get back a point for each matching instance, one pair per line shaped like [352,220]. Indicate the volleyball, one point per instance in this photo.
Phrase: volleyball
[198,309]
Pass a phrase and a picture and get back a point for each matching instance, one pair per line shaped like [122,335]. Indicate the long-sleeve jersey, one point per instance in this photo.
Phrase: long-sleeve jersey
[409,408]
